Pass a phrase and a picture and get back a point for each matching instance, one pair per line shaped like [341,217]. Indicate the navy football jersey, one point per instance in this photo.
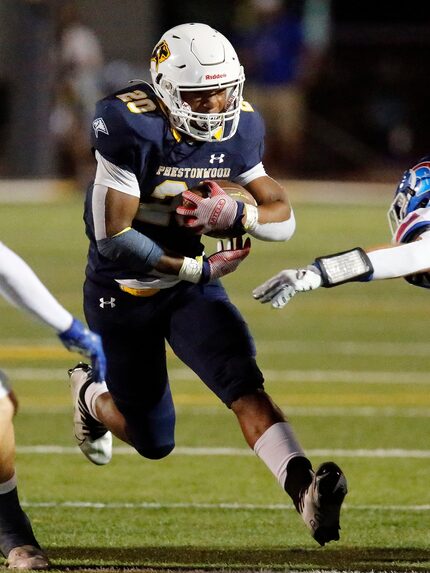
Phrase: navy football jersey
[132,131]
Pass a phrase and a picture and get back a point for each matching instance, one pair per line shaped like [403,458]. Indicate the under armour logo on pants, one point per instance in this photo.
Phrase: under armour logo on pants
[110,302]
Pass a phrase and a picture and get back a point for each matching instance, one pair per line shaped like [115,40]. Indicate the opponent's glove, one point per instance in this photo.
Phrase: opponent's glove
[218,212]
[223,262]
[281,288]
[80,339]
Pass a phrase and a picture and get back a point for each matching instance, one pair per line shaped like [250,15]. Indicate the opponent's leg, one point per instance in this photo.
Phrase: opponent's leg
[17,541]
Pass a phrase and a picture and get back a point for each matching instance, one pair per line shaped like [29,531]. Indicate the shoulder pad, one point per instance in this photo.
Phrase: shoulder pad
[138,98]
[246,106]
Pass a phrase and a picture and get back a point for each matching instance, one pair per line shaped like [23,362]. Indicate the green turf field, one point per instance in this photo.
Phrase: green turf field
[350,366]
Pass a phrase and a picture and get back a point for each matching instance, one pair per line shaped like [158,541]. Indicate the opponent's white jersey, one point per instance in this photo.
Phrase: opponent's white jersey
[413,225]
[21,287]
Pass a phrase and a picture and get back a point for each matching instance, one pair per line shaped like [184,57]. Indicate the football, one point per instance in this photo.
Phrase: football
[234,190]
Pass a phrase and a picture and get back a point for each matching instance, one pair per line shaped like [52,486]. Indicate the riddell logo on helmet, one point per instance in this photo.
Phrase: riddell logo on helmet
[215,76]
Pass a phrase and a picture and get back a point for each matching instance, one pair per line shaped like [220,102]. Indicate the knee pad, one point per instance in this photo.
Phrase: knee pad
[153,433]
[155,452]
[152,429]
[240,376]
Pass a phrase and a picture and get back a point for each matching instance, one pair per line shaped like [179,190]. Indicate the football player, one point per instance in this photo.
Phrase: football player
[20,286]
[148,280]
[408,256]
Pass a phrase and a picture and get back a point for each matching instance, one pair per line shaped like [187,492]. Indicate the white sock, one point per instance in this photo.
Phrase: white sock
[8,485]
[94,390]
[276,447]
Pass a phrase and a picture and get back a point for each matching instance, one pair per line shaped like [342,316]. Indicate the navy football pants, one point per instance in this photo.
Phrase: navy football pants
[203,328]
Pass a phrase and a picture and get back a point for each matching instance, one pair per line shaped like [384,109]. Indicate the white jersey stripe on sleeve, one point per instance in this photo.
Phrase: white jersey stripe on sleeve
[253,173]
[115,177]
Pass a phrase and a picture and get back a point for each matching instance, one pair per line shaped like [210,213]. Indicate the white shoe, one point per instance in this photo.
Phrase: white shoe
[27,557]
[94,439]
[319,505]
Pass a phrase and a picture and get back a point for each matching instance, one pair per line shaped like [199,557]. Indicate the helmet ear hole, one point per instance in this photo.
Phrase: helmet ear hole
[423,203]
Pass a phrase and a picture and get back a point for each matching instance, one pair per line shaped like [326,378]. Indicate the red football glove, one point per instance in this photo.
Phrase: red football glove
[225,261]
[215,213]
[221,263]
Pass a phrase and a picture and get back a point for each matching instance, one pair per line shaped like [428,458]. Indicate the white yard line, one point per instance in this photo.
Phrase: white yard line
[348,376]
[348,347]
[297,411]
[190,451]
[282,346]
[228,506]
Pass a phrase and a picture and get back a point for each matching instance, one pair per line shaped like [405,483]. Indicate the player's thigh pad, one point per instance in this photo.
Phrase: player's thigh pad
[208,334]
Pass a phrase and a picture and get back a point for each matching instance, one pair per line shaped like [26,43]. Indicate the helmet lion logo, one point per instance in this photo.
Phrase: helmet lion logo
[160,54]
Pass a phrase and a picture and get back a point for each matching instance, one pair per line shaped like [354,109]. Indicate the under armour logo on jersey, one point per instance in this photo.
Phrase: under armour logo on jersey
[217,157]
[99,125]
[109,302]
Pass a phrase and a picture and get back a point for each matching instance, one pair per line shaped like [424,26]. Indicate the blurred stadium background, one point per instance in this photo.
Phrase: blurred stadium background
[365,96]
[350,367]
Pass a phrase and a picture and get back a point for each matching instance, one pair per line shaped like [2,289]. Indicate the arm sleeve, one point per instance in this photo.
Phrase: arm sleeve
[281,231]
[22,288]
[401,260]
[131,249]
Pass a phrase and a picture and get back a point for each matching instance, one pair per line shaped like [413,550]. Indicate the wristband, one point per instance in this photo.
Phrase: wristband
[339,268]
[251,221]
[191,270]
[238,228]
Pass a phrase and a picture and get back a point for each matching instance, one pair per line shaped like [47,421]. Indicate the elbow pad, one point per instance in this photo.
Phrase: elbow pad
[131,249]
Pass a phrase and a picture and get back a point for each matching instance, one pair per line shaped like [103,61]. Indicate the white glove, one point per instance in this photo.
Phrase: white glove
[281,288]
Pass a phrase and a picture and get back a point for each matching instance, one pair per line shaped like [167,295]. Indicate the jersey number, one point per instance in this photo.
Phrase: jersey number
[137,101]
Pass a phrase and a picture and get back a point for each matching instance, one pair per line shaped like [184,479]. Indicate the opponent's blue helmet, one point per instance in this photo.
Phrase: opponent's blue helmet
[412,193]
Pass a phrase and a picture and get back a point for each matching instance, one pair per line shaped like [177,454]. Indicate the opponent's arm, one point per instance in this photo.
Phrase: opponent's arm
[353,265]
[22,288]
